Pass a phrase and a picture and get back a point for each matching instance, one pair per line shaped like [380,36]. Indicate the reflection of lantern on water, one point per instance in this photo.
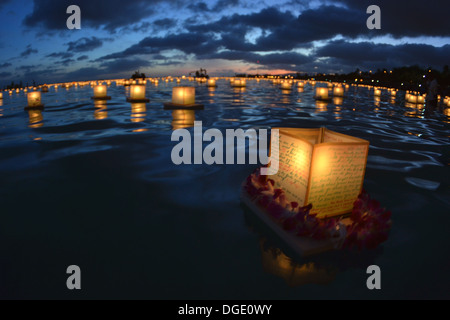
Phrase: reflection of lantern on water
[183,119]
[275,262]
[338,91]
[377,101]
[321,106]
[321,94]
[34,99]
[211,91]
[100,112]
[36,118]
[138,112]
[447,112]
[338,101]
[300,89]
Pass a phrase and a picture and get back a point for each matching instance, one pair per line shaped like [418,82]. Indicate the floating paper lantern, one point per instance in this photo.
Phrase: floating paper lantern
[183,98]
[300,84]
[183,95]
[377,92]
[212,83]
[393,93]
[239,83]
[321,94]
[286,86]
[137,94]
[1,95]
[420,99]
[100,93]
[338,91]
[34,100]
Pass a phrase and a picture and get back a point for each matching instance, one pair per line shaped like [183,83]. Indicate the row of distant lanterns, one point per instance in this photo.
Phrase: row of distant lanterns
[185,96]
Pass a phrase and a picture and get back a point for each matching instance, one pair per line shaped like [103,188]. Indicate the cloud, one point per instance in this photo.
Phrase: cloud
[99,14]
[370,55]
[5,74]
[5,65]
[408,18]
[28,51]
[84,44]
[82,58]
[62,55]
[3,3]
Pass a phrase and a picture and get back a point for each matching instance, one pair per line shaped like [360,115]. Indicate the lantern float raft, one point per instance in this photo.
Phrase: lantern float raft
[183,98]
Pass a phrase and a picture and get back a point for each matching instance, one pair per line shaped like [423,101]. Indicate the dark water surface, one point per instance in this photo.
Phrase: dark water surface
[96,187]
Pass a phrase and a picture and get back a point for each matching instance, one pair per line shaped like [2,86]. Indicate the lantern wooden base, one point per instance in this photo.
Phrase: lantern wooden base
[39,107]
[138,100]
[322,99]
[303,246]
[100,99]
[174,106]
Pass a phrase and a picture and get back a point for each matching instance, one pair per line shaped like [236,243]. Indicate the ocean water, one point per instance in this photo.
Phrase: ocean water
[91,184]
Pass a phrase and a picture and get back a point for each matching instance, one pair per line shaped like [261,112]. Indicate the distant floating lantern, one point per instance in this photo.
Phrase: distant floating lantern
[239,83]
[1,95]
[137,94]
[34,100]
[338,101]
[44,89]
[393,93]
[300,84]
[100,93]
[212,83]
[183,98]
[286,86]
[377,92]
[338,91]
[321,94]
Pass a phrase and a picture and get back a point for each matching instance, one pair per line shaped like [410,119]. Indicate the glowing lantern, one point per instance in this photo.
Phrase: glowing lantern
[34,100]
[321,94]
[183,98]
[212,83]
[183,95]
[300,84]
[286,86]
[239,83]
[329,169]
[338,91]
[100,93]
[377,92]
[137,94]
[1,95]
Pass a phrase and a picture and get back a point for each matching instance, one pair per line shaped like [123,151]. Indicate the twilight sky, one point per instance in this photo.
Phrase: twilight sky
[174,37]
